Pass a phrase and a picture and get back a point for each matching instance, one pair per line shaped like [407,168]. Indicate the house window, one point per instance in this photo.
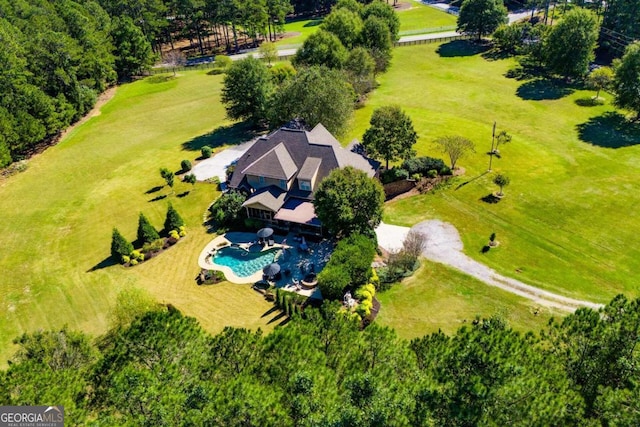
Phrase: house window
[260,214]
[305,185]
[283,184]
[261,179]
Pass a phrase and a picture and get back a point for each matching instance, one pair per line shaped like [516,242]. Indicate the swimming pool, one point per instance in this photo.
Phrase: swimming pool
[295,264]
[242,262]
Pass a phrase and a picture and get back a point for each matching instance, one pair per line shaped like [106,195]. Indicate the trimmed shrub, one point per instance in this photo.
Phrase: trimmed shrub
[227,211]
[369,287]
[422,165]
[137,256]
[125,259]
[394,174]
[206,152]
[375,280]
[120,247]
[133,262]
[332,282]
[146,232]
[154,246]
[183,231]
[222,62]
[185,165]
[432,173]
[173,234]
[173,220]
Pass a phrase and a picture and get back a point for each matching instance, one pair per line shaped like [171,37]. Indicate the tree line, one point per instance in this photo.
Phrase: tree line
[334,70]
[158,367]
[57,57]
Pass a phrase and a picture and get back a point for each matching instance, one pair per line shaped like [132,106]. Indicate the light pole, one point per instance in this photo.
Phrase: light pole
[493,139]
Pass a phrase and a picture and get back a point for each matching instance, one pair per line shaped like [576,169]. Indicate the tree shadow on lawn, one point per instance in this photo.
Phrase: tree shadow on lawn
[471,180]
[541,89]
[277,317]
[157,198]
[161,78]
[610,130]
[491,199]
[589,101]
[107,262]
[154,189]
[231,134]
[460,48]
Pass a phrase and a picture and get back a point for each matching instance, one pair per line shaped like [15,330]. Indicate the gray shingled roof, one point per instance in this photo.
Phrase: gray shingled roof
[275,163]
[299,145]
[309,168]
[270,197]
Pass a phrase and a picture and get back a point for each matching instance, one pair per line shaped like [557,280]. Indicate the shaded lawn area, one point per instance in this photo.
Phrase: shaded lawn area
[58,216]
[440,298]
[567,222]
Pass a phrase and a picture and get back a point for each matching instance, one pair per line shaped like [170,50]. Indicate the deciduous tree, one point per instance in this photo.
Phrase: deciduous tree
[626,81]
[269,52]
[348,201]
[570,45]
[481,17]
[315,95]
[377,38]
[391,134]
[345,24]
[322,48]
[360,67]
[501,181]
[247,88]
[455,147]
[600,78]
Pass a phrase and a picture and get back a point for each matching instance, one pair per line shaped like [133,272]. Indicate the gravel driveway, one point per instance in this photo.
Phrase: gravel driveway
[443,245]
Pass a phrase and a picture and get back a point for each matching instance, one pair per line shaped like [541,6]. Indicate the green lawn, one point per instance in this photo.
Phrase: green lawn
[299,31]
[422,17]
[417,19]
[58,215]
[439,298]
[568,221]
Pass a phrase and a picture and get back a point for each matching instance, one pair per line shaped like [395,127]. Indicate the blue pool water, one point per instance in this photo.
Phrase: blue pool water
[297,263]
[244,263]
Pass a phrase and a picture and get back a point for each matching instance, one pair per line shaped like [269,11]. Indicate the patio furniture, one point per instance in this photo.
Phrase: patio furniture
[271,242]
[263,233]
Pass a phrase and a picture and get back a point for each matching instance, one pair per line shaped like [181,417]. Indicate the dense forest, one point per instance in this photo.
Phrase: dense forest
[58,56]
[159,367]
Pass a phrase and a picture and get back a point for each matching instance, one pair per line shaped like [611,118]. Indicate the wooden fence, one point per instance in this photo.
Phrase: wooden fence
[433,40]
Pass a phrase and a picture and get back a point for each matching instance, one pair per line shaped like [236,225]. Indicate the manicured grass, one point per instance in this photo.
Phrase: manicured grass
[422,17]
[418,17]
[439,298]
[304,27]
[58,215]
[568,221]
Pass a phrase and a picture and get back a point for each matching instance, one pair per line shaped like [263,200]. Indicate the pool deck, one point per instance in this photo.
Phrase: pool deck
[245,240]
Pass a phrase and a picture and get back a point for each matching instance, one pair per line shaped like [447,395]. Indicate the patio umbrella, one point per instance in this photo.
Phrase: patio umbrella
[263,233]
[271,269]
